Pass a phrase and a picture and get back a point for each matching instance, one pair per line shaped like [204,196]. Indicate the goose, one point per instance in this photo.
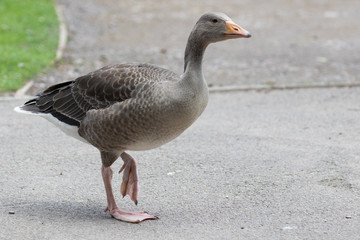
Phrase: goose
[134,107]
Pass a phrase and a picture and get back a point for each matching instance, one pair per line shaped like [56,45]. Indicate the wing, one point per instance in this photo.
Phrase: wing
[69,101]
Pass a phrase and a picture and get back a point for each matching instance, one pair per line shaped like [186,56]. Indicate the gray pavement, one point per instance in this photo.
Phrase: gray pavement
[256,165]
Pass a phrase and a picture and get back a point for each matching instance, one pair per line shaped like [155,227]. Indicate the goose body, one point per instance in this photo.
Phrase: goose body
[134,106]
[128,106]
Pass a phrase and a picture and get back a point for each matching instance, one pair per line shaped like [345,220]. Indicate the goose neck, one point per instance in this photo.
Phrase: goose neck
[194,53]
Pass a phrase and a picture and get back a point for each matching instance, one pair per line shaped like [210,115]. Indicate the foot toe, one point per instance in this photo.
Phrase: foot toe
[132,217]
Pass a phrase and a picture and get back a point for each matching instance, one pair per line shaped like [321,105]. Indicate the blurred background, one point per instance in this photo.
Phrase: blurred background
[29,33]
[294,43]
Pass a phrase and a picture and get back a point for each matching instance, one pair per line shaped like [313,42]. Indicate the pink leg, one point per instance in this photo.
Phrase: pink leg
[129,185]
[132,217]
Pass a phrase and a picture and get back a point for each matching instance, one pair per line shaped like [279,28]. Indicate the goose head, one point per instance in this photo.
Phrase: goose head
[215,27]
[210,28]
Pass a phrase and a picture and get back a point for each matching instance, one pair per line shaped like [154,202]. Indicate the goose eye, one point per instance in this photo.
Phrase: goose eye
[214,20]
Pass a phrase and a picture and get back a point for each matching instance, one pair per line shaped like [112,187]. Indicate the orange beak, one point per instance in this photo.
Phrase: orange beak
[235,31]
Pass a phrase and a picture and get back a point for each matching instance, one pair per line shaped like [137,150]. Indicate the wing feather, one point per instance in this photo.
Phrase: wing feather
[69,101]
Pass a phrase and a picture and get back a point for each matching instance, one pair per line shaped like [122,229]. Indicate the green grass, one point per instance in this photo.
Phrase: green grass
[28,40]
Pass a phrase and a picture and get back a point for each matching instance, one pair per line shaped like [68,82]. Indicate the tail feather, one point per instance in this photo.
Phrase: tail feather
[28,108]
[57,101]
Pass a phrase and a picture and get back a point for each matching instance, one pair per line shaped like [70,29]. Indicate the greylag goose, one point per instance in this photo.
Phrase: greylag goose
[134,107]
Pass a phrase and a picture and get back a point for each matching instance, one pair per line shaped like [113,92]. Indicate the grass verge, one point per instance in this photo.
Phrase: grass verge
[28,40]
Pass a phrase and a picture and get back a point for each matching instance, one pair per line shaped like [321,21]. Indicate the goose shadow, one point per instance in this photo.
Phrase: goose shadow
[55,210]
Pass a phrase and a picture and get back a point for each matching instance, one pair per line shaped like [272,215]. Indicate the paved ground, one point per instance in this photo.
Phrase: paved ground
[278,165]
[256,165]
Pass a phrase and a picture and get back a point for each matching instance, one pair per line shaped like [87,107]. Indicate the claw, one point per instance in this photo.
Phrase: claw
[122,168]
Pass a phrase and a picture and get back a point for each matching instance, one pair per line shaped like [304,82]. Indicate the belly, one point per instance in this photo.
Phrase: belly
[163,133]
[117,128]
[155,140]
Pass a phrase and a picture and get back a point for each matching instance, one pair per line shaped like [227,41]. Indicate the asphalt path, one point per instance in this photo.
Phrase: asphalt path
[256,165]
